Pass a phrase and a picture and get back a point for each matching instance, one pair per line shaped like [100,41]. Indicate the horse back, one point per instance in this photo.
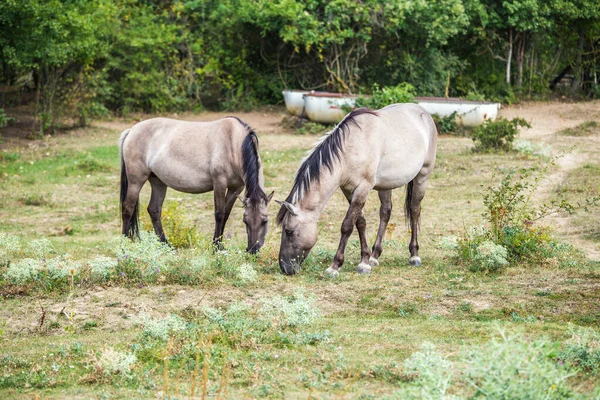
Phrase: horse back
[186,156]
[392,147]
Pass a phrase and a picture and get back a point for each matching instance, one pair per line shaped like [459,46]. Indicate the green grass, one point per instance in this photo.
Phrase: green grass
[584,129]
[54,331]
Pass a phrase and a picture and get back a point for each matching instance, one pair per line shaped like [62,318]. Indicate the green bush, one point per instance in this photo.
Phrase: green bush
[446,124]
[497,135]
[4,119]
[381,97]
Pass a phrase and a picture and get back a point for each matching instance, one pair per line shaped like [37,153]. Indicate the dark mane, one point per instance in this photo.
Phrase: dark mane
[324,154]
[251,165]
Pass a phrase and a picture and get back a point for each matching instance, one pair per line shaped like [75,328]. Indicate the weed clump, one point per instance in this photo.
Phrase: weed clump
[41,247]
[428,372]
[103,268]
[162,328]
[292,311]
[9,246]
[22,272]
[582,349]
[509,368]
[115,362]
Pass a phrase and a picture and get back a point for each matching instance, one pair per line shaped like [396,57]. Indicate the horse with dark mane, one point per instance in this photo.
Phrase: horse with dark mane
[368,149]
[194,157]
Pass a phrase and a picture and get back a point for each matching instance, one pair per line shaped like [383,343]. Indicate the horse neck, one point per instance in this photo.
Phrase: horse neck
[315,200]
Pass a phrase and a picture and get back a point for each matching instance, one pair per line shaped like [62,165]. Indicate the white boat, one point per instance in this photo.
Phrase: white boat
[326,108]
[294,101]
[468,113]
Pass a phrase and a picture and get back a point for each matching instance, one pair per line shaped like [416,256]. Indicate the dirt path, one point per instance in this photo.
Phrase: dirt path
[547,119]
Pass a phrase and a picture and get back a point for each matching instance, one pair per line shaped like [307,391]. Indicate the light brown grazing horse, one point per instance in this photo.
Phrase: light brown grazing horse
[380,150]
[194,157]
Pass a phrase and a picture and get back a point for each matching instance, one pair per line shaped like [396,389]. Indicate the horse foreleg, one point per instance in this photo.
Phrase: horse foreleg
[356,205]
[220,189]
[413,204]
[361,226]
[230,199]
[157,198]
[385,212]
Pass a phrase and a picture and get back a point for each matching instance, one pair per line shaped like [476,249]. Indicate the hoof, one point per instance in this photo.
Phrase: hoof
[373,262]
[415,261]
[332,272]
[363,268]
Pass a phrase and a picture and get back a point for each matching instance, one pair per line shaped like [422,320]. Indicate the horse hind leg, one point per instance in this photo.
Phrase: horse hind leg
[385,212]
[129,209]
[157,198]
[415,192]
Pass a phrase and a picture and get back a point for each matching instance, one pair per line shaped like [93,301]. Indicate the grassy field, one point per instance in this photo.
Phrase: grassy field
[89,315]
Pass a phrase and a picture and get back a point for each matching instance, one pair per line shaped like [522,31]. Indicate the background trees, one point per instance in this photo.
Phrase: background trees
[82,58]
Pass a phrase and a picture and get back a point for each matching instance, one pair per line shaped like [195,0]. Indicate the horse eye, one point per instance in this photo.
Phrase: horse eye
[264,221]
[289,232]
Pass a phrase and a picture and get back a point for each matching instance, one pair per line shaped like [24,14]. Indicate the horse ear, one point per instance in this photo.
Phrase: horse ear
[291,208]
[269,197]
[243,200]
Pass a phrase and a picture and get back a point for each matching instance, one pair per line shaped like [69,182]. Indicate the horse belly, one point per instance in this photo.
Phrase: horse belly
[394,172]
[184,178]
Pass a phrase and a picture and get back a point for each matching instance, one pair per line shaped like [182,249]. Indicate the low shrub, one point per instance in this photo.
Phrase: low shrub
[497,135]
[381,97]
[512,234]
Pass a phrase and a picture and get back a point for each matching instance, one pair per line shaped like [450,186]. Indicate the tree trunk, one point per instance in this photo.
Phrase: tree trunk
[521,57]
[578,70]
[509,56]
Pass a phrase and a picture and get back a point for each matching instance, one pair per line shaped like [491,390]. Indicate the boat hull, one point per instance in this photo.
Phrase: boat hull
[468,113]
[294,101]
[327,108]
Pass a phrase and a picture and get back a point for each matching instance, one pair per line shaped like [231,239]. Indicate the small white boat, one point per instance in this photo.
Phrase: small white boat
[294,101]
[326,108]
[468,113]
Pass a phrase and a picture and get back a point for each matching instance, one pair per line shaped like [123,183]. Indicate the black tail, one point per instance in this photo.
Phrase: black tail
[407,212]
[133,224]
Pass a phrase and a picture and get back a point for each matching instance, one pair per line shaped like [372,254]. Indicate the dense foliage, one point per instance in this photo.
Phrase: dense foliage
[83,58]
